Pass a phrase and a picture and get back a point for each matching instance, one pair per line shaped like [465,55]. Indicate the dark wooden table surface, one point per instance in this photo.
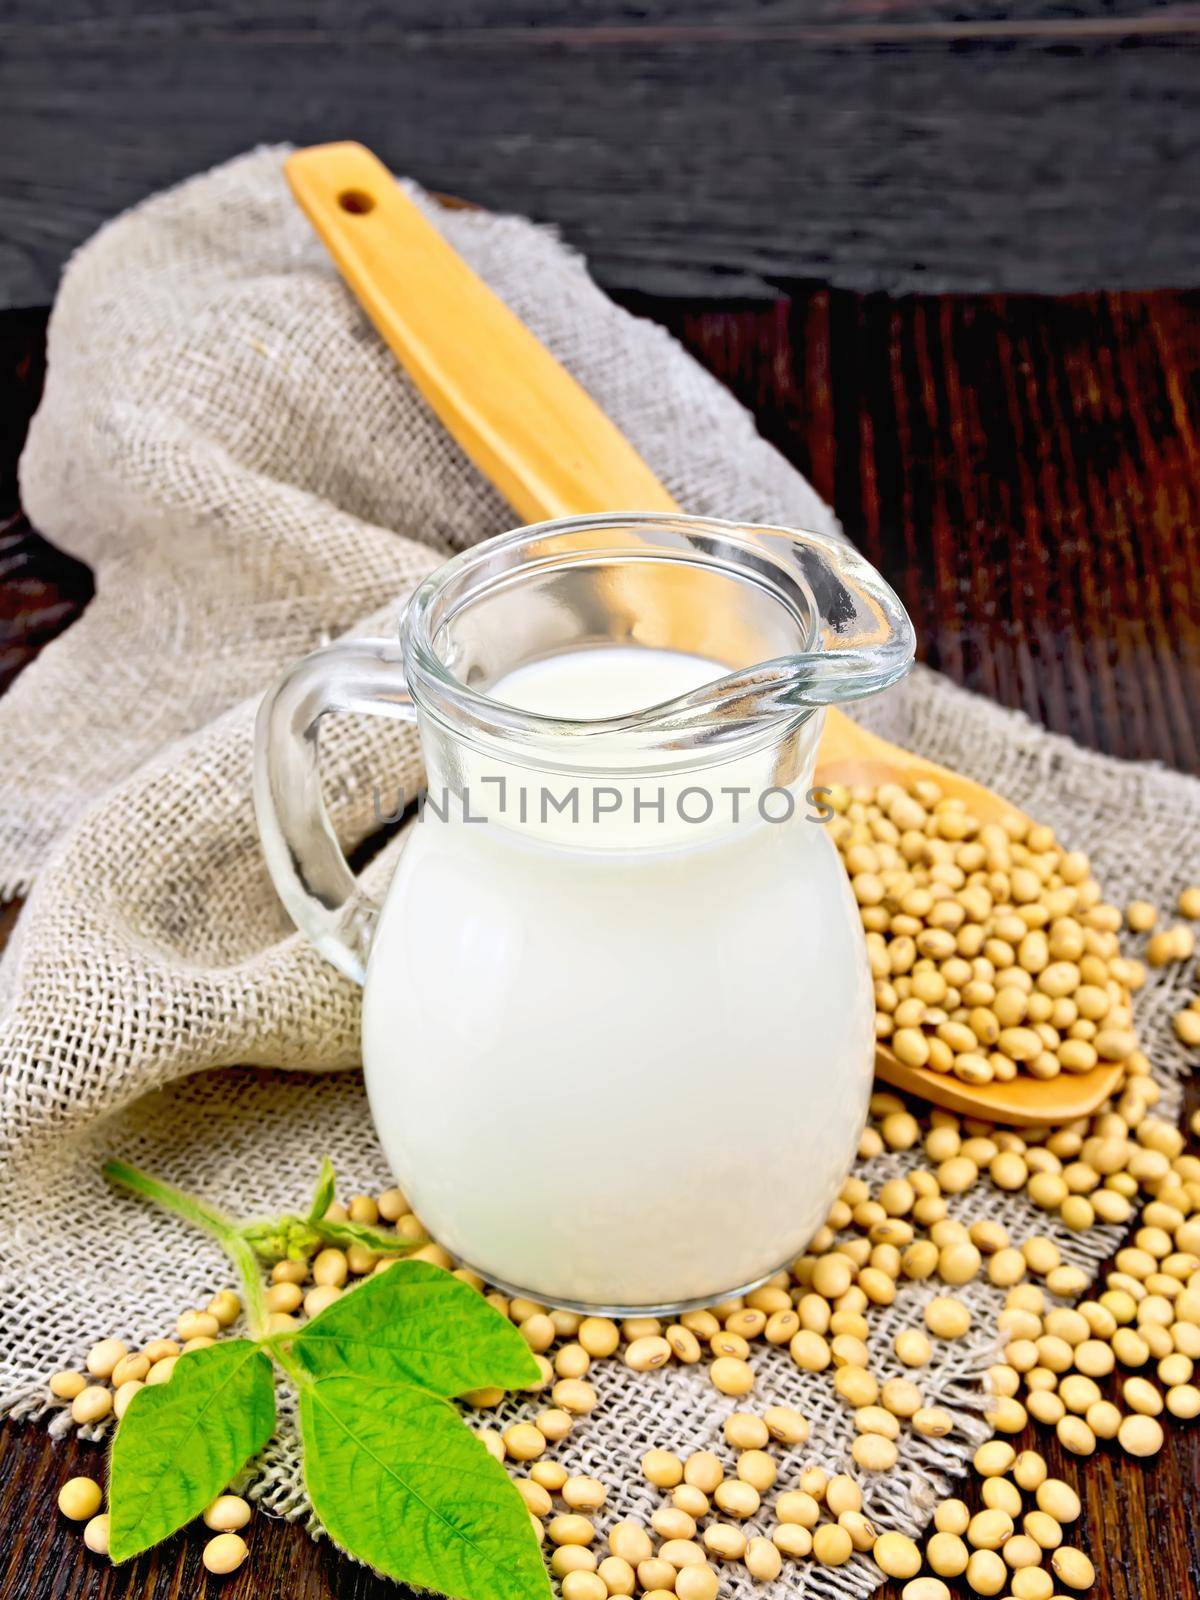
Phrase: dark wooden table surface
[687,147]
[1027,474]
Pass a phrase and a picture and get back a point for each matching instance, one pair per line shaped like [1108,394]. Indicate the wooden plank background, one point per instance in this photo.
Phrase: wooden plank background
[687,146]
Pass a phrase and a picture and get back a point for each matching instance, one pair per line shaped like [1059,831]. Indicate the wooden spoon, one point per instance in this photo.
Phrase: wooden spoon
[550,450]
[850,755]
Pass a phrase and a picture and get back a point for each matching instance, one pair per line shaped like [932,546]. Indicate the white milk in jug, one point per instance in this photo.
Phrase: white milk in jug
[566,1072]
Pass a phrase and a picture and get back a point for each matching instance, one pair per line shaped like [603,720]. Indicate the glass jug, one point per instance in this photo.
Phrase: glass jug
[618,1018]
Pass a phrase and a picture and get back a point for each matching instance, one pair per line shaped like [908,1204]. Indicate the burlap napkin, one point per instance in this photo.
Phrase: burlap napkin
[226,442]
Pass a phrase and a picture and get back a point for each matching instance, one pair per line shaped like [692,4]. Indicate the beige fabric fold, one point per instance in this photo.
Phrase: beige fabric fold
[226,442]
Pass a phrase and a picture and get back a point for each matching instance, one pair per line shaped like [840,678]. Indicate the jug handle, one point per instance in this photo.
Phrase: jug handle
[303,856]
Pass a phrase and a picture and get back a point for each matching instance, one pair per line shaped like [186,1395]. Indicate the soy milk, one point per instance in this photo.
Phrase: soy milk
[570,1062]
[608,682]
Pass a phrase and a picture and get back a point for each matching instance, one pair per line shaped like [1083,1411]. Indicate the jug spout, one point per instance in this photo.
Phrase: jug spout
[865,636]
[853,635]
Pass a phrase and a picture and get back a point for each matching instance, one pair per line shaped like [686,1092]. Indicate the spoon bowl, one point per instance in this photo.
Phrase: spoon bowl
[851,755]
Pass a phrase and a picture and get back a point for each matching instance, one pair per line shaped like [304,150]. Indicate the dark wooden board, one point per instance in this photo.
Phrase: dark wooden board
[41,589]
[693,145]
[1027,472]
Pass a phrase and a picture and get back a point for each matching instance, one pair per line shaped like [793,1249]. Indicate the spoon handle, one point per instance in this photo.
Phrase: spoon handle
[520,416]
[522,419]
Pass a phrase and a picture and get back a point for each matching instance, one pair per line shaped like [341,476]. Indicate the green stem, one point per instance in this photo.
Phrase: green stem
[289,1364]
[241,1253]
[171,1199]
[223,1228]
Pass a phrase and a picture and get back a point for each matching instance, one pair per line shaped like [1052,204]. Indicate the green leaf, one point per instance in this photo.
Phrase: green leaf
[344,1234]
[397,1478]
[417,1324]
[179,1443]
[323,1194]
